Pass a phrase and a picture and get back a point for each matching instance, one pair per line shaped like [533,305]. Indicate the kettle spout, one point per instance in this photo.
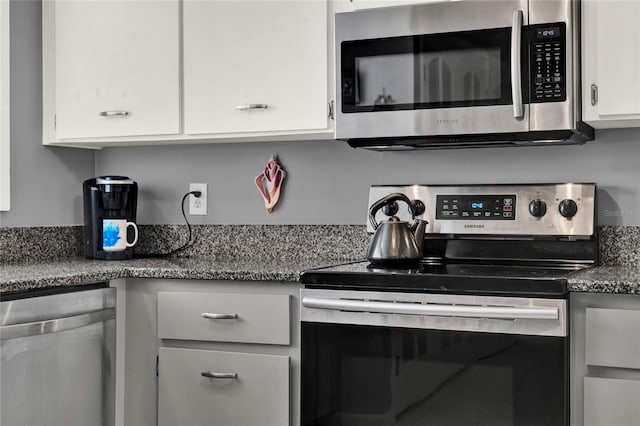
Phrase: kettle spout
[418,233]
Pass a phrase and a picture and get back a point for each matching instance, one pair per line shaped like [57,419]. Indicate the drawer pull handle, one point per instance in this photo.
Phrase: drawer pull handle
[113,113]
[213,375]
[248,107]
[219,316]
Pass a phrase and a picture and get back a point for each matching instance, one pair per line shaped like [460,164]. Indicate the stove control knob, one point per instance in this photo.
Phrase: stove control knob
[537,208]
[568,208]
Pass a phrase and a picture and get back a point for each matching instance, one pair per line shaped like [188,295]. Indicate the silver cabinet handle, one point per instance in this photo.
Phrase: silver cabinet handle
[594,94]
[213,375]
[516,84]
[247,107]
[113,113]
[55,325]
[506,312]
[218,316]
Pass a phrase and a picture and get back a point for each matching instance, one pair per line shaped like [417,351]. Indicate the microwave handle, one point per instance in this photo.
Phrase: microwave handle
[516,81]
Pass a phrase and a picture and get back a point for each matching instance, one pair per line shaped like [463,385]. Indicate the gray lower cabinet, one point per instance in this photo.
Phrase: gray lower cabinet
[605,359]
[611,402]
[208,387]
[203,387]
[211,352]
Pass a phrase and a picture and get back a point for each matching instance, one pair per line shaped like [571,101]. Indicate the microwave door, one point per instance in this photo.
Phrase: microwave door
[471,81]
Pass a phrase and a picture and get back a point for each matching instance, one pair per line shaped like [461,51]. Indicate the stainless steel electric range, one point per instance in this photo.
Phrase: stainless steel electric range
[473,332]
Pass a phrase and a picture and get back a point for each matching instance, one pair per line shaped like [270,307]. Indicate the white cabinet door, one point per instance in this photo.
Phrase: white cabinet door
[4,107]
[369,4]
[116,68]
[255,66]
[611,63]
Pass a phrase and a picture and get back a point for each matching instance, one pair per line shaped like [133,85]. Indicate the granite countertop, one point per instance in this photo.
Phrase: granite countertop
[77,271]
[619,279]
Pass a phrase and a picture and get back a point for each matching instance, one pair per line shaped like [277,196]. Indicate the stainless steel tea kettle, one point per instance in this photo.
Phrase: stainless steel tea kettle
[395,240]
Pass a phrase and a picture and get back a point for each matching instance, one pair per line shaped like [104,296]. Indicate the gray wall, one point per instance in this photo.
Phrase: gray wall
[327,181]
[46,183]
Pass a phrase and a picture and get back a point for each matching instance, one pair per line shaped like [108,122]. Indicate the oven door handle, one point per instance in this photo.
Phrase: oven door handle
[464,311]
[516,80]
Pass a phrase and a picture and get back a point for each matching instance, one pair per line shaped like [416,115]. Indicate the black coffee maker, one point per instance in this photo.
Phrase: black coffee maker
[107,197]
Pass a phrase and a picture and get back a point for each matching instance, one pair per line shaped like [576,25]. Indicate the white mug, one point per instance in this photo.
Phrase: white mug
[114,234]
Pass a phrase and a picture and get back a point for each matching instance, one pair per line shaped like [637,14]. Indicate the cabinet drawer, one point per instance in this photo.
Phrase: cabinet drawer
[611,402]
[613,337]
[259,395]
[250,318]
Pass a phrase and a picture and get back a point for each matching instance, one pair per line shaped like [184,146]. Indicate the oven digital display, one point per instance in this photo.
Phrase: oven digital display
[476,207]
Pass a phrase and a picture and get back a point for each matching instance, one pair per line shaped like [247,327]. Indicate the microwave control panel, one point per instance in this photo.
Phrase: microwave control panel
[548,62]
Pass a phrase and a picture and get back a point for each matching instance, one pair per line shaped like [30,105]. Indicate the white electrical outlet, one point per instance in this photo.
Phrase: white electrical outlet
[198,205]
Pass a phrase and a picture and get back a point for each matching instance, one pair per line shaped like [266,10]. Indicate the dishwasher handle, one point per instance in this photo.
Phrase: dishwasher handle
[55,325]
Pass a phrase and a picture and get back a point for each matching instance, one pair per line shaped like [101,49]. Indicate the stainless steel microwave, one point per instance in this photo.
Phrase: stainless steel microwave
[458,74]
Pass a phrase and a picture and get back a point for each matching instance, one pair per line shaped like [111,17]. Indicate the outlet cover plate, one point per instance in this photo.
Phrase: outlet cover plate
[198,205]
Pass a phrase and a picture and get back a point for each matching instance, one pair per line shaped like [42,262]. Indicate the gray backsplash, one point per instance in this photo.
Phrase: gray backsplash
[619,245]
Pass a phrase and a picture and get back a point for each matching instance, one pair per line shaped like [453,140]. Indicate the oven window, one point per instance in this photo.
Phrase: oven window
[470,68]
[363,375]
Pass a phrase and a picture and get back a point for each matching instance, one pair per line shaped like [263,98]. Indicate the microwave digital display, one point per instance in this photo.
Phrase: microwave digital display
[549,32]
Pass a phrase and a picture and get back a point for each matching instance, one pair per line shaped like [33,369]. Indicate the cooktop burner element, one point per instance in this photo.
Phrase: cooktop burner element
[490,240]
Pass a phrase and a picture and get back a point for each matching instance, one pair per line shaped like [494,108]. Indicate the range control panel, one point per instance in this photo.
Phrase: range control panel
[476,207]
[565,209]
[548,62]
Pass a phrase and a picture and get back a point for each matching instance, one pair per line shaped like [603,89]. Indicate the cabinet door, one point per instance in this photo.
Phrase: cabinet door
[255,66]
[611,402]
[116,68]
[258,395]
[611,63]
[613,337]
[369,4]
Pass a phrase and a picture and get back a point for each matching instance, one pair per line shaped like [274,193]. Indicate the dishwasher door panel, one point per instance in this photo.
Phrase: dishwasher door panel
[60,372]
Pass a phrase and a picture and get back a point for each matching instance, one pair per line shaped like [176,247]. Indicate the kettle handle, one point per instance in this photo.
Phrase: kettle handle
[396,196]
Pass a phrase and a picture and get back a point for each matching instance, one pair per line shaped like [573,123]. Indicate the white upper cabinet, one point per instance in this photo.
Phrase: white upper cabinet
[611,63]
[255,66]
[369,4]
[116,68]
[4,107]
[138,72]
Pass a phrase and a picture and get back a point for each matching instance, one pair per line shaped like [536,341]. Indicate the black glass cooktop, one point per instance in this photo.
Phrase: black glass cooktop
[460,278]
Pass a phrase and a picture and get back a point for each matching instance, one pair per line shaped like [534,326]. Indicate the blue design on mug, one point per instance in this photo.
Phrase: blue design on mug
[110,235]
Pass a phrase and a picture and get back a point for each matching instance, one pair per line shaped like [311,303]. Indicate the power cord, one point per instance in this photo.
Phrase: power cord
[196,194]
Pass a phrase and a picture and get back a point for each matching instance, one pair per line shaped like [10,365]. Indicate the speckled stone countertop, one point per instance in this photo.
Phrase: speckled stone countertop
[619,279]
[77,271]
[37,258]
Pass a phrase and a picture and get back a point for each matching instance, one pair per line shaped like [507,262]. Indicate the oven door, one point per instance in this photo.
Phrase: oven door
[449,68]
[373,359]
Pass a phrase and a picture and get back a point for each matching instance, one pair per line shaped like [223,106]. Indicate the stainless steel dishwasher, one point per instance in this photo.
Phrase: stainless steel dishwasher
[58,358]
